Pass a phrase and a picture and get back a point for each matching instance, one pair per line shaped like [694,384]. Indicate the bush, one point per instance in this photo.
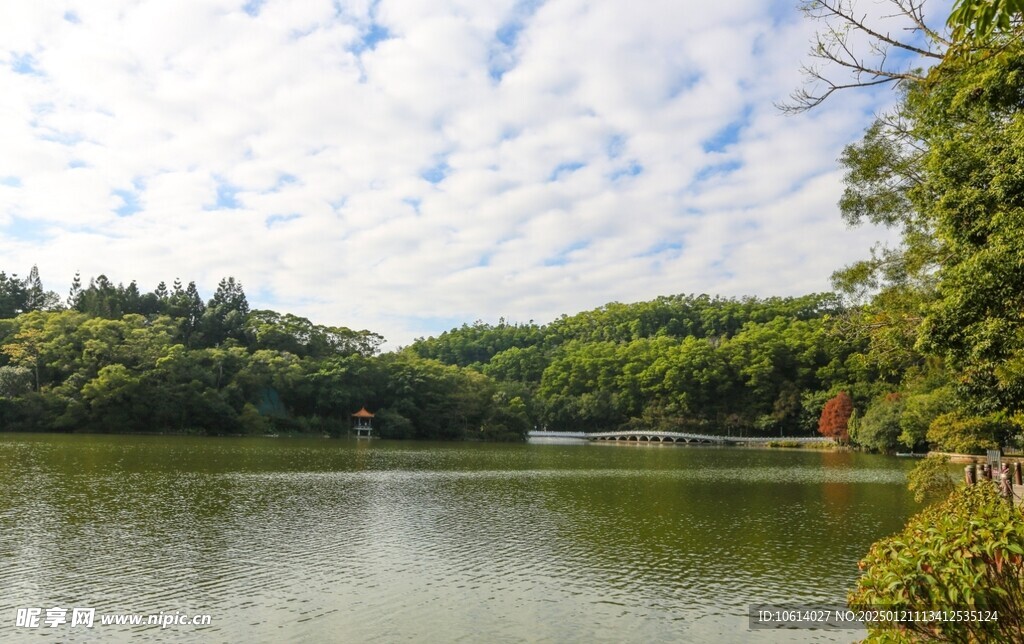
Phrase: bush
[930,480]
[966,553]
[785,444]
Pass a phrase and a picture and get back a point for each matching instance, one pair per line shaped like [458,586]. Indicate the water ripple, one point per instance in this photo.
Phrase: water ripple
[304,542]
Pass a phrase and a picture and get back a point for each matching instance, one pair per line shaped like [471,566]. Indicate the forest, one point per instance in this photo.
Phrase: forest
[110,358]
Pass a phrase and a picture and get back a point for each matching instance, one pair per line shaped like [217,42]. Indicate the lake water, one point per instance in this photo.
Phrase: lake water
[309,540]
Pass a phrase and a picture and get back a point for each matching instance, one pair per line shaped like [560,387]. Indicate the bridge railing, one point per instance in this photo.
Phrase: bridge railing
[715,438]
[547,434]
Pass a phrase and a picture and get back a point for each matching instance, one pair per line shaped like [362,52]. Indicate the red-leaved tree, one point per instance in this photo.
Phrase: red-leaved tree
[835,417]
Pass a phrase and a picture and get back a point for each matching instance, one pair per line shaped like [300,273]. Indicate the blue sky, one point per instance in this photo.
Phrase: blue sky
[406,166]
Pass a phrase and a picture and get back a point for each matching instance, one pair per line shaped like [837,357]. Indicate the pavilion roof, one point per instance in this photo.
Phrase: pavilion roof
[362,413]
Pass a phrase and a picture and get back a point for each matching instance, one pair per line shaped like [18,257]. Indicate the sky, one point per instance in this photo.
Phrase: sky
[408,166]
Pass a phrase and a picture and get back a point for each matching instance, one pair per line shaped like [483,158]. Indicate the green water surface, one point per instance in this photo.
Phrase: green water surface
[318,540]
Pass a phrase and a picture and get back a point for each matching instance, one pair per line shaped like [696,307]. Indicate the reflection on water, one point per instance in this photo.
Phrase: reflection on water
[319,540]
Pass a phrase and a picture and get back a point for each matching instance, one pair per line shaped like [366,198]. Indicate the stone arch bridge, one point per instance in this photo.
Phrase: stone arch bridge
[642,436]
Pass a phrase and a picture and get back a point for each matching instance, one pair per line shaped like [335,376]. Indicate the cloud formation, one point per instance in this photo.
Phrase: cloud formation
[404,165]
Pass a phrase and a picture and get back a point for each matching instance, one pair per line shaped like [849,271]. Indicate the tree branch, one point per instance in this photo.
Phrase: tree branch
[832,45]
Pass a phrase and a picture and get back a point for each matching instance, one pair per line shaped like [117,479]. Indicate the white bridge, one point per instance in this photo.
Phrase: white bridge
[677,437]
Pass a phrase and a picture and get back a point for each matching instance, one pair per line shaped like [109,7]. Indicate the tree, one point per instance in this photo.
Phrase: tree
[131,298]
[837,47]
[507,419]
[514,363]
[15,381]
[930,480]
[835,417]
[976,23]
[187,306]
[75,292]
[113,399]
[943,170]
[12,295]
[36,298]
[26,350]
[974,122]
[962,433]
[225,314]
[101,298]
[879,428]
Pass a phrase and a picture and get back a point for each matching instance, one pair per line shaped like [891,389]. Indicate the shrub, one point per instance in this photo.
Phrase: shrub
[966,553]
[930,480]
[786,444]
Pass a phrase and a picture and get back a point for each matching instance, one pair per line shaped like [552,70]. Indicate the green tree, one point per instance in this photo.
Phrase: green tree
[12,295]
[15,381]
[944,172]
[921,407]
[973,121]
[26,350]
[931,480]
[225,314]
[962,433]
[507,419]
[101,299]
[977,23]
[113,399]
[75,292]
[37,298]
[879,428]
[518,364]
[187,305]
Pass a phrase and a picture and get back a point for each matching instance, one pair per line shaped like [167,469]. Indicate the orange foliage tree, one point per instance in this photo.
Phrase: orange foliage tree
[835,417]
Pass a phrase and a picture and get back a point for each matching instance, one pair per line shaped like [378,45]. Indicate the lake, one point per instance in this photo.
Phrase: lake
[319,540]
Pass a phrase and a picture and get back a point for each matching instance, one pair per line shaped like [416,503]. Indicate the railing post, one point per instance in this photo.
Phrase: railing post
[1016,474]
[1005,487]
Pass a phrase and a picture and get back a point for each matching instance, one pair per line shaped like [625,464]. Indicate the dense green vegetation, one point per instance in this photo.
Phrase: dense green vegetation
[748,366]
[964,554]
[114,359]
[939,311]
[111,358]
[944,319]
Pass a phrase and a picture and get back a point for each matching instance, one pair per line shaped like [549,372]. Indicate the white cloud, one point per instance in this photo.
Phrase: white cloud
[391,165]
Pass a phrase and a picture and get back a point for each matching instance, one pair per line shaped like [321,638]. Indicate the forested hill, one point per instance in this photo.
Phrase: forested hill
[762,366]
[113,358]
[675,316]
